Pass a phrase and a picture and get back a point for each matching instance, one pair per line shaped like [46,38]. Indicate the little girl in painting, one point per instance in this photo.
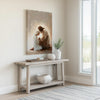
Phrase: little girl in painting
[36,45]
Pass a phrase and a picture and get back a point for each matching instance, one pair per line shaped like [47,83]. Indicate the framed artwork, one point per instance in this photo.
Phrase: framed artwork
[39,32]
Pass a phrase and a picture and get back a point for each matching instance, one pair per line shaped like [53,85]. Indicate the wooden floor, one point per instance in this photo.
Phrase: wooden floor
[14,96]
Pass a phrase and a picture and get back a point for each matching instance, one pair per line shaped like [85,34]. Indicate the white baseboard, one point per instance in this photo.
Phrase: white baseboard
[8,89]
[80,80]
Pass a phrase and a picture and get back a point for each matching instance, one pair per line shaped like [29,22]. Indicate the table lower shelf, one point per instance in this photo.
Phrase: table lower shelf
[38,86]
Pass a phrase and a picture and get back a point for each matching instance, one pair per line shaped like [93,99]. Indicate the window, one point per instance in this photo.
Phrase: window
[85,39]
[98,42]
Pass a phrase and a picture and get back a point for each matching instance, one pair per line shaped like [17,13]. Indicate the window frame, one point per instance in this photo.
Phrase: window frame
[81,40]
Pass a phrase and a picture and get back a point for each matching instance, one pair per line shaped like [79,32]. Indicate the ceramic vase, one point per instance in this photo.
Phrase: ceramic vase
[58,54]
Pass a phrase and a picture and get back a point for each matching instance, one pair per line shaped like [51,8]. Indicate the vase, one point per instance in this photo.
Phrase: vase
[58,54]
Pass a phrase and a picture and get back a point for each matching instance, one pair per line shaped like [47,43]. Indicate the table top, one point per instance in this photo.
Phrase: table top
[40,62]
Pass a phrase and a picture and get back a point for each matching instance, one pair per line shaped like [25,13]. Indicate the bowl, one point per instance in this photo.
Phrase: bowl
[51,56]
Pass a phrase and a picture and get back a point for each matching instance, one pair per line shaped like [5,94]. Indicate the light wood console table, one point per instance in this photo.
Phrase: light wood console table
[28,86]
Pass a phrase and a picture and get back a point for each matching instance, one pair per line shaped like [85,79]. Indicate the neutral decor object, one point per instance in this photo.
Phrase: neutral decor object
[44,79]
[28,65]
[51,56]
[32,60]
[58,54]
[73,92]
[57,47]
[39,32]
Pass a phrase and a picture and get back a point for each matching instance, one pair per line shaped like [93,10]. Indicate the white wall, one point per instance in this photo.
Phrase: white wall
[12,35]
[72,43]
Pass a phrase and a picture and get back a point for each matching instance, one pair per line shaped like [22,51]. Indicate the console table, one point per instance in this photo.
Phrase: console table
[27,65]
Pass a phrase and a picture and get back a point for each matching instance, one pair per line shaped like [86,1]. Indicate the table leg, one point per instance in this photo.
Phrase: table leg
[19,78]
[62,68]
[54,71]
[57,71]
[28,79]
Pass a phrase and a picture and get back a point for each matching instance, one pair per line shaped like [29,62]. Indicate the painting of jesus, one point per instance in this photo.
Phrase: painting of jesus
[39,32]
